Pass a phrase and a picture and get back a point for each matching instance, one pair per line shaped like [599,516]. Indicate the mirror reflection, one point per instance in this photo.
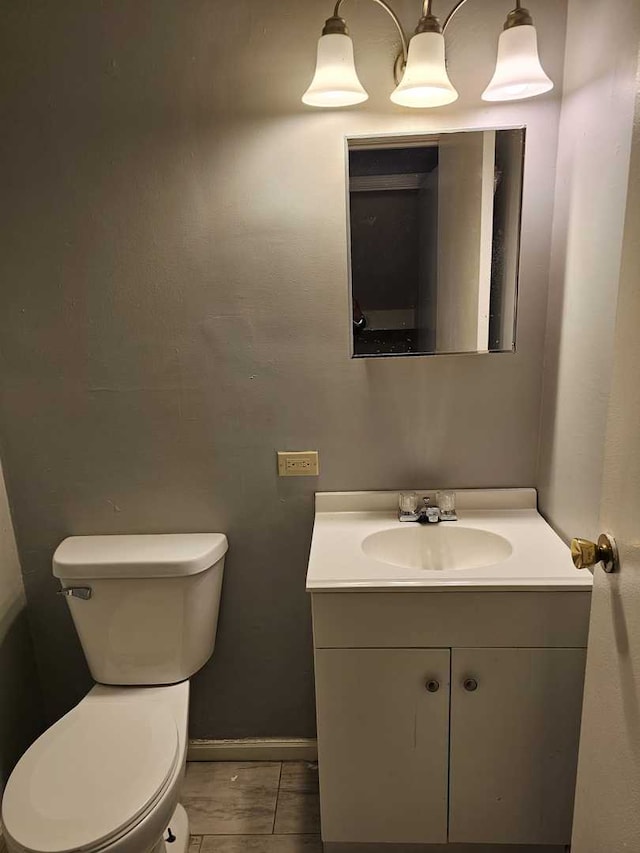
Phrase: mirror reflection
[434,235]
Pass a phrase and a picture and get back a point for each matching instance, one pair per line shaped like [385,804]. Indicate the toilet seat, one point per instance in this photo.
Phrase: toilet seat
[91,777]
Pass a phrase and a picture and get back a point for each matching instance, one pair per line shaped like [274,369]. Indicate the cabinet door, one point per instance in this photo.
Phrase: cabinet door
[514,744]
[383,741]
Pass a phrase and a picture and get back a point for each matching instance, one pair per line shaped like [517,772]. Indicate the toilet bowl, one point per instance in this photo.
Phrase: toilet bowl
[106,777]
[103,778]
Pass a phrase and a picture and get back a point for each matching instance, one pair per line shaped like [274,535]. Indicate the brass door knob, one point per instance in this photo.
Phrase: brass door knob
[585,553]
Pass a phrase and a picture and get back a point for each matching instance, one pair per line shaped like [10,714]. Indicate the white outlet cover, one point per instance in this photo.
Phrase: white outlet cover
[298,463]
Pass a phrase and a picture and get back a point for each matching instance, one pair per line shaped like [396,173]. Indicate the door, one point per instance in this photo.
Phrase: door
[426,308]
[515,722]
[383,740]
[466,177]
[607,810]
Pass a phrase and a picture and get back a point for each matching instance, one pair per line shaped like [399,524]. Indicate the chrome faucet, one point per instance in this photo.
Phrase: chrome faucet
[426,514]
[430,514]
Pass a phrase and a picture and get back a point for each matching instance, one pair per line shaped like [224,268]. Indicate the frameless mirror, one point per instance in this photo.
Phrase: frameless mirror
[434,226]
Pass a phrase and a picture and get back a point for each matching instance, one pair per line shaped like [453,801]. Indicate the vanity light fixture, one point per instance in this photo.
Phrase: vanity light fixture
[420,69]
[518,73]
[425,82]
[335,83]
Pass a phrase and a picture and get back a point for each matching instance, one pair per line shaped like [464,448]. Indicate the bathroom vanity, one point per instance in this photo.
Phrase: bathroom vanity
[449,665]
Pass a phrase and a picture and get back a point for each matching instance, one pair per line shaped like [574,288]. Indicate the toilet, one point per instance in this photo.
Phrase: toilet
[106,777]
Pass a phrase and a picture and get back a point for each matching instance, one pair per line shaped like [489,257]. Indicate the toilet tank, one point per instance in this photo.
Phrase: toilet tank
[145,606]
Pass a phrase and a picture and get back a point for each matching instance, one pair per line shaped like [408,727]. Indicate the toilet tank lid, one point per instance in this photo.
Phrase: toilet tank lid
[157,555]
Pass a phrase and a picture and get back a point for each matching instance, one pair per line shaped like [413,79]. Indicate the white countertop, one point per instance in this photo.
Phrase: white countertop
[540,560]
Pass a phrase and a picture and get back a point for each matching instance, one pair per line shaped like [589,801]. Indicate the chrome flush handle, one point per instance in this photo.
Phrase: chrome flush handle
[83,592]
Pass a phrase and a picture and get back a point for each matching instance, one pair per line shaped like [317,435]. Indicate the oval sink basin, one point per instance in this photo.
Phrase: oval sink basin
[437,547]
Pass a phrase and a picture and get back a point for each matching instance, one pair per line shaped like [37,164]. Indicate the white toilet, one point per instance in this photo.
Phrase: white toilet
[106,777]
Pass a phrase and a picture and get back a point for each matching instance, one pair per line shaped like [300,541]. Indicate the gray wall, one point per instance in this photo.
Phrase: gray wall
[175,308]
[592,176]
[21,716]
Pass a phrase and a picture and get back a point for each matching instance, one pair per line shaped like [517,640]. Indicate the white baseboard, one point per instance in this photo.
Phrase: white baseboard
[254,749]
[356,847]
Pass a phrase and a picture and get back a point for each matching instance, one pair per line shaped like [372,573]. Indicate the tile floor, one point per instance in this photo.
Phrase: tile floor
[252,807]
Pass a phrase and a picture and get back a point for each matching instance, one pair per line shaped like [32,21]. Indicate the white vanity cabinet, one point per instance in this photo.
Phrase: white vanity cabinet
[449,716]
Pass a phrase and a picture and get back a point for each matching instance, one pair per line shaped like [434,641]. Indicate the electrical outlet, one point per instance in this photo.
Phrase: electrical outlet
[298,463]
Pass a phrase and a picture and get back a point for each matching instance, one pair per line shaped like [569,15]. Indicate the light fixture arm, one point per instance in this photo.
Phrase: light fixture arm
[458,6]
[515,18]
[396,20]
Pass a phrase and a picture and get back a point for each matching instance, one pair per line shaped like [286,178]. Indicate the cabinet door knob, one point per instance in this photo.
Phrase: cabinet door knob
[432,685]
[470,684]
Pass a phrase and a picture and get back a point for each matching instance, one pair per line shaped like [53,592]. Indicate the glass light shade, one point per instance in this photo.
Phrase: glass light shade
[518,73]
[425,82]
[335,82]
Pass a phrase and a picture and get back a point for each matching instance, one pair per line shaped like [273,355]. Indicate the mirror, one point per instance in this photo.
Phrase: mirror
[434,227]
